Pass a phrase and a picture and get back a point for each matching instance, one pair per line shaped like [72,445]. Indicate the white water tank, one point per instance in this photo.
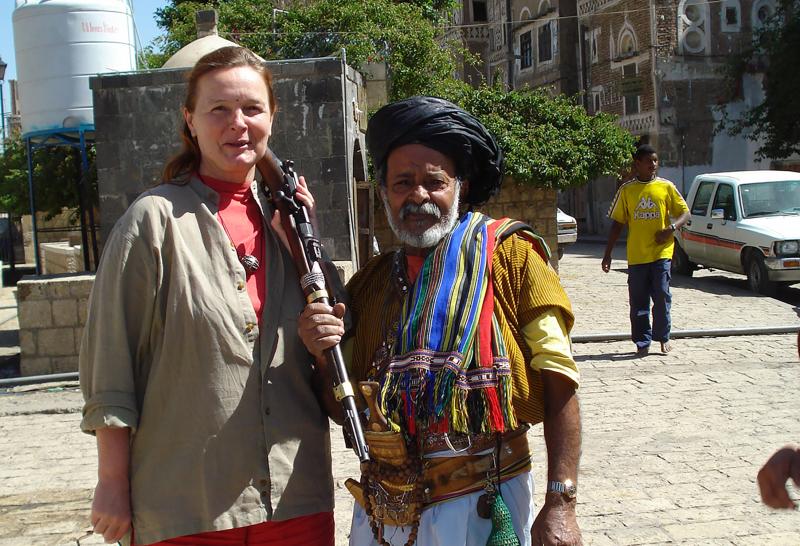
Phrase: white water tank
[59,45]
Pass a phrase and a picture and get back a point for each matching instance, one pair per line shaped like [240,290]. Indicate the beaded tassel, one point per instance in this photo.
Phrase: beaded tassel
[502,529]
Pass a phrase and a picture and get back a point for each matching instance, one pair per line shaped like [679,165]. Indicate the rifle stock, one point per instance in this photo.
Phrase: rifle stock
[306,250]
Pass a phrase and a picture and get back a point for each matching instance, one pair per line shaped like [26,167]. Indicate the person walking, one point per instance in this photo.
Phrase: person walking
[653,211]
[200,393]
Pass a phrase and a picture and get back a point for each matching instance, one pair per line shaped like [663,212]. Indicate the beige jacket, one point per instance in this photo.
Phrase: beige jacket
[226,430]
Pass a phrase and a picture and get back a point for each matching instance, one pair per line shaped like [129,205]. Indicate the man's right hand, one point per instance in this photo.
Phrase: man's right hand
[321,327]
[606,264]
[111,509]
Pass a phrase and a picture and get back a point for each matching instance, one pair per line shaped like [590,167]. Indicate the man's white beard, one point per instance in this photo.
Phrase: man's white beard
[434,234]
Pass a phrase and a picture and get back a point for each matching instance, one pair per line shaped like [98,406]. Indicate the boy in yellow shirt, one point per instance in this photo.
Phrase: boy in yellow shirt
[646,204]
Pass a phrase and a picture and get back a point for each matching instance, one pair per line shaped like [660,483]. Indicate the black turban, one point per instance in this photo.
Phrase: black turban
[443,126]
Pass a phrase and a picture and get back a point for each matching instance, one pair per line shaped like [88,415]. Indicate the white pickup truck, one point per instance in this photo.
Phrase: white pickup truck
[744,222]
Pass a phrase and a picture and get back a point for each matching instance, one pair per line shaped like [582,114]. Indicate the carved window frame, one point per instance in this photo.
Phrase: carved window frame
[688,27]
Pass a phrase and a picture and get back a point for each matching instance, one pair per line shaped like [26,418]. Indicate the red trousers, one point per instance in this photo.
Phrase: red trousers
[313,530]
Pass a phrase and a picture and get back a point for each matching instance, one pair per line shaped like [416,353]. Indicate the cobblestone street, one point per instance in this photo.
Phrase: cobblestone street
[671,443]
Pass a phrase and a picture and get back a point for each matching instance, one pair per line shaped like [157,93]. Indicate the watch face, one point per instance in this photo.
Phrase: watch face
[570,489]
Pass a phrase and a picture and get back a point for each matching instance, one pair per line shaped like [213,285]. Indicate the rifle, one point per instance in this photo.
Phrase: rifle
[306,250]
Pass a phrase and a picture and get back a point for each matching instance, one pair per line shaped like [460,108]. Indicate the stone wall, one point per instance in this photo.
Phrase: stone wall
[52,313]
[319,125]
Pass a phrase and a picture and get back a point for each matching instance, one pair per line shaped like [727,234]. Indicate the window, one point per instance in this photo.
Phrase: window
[693,26]
[631,99]
[762,11]
[545,43]
[702,198]
[724,200]
[594,46]
[627,43]
[479,12]
[544,7]
[731,16]
[596,104]
[525,50]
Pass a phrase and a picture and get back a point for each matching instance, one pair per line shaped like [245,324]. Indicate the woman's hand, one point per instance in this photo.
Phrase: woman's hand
[111,509]
[321,327]
[303,195]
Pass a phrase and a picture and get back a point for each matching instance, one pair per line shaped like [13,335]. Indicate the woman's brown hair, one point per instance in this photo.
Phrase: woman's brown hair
[187,160]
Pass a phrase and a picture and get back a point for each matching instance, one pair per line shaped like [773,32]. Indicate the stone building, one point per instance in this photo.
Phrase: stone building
[659,66]
[522,42]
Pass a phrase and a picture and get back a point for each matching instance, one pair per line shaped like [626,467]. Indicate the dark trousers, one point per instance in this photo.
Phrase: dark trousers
[646,282]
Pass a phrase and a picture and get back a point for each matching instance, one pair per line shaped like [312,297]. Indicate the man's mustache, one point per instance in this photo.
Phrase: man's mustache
[426,208]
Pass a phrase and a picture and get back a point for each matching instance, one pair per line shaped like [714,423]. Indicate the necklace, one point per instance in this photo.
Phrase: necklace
[248,261]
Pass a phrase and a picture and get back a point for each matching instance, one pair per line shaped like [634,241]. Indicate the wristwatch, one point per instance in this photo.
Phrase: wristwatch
[568,489]
[673,227]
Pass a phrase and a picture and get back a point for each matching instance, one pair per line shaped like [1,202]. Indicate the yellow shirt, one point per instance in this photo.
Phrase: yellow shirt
[646,207]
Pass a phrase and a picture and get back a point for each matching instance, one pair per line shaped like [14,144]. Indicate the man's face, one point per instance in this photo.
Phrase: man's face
[421,196]
[646,166]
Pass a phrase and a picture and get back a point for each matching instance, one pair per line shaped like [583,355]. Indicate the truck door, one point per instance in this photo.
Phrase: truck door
[693,234]
[723,248]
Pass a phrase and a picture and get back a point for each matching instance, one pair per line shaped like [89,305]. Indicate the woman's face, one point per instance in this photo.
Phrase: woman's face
[232,123]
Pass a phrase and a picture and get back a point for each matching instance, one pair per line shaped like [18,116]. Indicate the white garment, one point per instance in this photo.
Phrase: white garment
[456,522]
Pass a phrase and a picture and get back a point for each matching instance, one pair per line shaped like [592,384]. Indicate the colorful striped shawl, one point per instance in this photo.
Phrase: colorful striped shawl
[449,371]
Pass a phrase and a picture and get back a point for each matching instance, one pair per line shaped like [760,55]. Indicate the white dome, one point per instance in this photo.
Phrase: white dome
[188,55]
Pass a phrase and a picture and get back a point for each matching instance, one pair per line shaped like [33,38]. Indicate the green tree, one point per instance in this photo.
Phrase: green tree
[549,141]
[398,33]
[774,49]
[55,176]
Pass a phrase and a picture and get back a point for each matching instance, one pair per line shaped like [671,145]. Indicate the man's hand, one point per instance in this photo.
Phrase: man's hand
[111,509]
[556,524]
[664,235]
[606,264]
[321,327]
[784,464]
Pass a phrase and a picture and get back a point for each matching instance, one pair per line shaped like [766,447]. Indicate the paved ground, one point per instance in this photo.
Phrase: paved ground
[671,443]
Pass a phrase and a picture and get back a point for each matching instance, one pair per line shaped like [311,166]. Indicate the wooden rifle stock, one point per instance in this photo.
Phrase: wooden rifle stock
[306,250]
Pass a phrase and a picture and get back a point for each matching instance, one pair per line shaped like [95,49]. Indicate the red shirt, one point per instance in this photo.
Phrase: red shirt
[241,219]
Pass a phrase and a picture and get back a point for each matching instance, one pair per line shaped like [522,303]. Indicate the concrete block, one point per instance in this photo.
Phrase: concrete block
[30,289]
[81,287]
[78,334]
[56,342]
[34,366]
[65,312]
[59,288]
[27,342]
[35,314]
[83,311]
[64,364]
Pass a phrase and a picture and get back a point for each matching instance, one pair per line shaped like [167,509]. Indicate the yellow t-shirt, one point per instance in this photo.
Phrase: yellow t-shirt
[646,207]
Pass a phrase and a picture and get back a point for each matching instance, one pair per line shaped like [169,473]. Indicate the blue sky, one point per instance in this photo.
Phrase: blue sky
[142,15]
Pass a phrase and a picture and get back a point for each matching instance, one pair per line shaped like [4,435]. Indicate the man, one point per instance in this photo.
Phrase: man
[645,204]
[465,330]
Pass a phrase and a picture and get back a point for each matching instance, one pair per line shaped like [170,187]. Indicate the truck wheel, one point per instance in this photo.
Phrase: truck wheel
[757,276]
[680,262]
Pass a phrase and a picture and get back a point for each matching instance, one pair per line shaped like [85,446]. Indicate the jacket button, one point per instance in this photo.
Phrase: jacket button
[240,285]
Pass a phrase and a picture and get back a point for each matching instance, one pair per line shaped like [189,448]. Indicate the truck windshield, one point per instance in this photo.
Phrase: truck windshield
[766,198]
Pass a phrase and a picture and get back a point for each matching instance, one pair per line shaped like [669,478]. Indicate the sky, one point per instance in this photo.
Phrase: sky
[143,12]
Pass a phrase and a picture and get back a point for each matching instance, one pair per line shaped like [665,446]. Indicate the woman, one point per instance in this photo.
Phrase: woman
[196,384]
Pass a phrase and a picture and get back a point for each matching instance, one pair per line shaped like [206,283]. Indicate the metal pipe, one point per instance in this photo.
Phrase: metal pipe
[714,332]
[34,379]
